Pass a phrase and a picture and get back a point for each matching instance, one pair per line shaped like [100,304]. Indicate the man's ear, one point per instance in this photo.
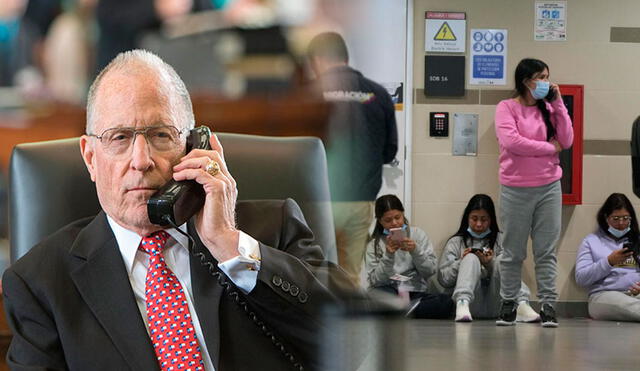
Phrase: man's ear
[88,155]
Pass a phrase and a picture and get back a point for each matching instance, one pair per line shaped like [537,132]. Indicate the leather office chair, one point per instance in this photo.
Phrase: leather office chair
[50,185]
[4,206]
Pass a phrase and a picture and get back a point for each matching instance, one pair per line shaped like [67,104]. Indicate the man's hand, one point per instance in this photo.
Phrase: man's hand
[216,222]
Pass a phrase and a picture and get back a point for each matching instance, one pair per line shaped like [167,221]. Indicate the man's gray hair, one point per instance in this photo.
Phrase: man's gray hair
[170,85]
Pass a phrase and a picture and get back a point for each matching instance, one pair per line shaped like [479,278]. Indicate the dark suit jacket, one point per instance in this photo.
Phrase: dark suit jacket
[70,305]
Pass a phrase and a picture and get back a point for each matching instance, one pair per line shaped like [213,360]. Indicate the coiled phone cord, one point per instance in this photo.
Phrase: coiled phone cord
[237,298]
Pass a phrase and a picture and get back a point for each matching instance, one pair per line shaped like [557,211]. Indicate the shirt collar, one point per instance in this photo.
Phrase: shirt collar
[128,241]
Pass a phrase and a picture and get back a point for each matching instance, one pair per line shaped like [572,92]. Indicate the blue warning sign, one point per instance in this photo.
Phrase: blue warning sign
[488,57]
[488,66]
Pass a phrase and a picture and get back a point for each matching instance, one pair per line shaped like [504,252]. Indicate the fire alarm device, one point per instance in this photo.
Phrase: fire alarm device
[439,124]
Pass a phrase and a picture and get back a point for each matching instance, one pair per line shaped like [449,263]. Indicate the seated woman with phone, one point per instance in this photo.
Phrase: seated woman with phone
[400,260]
[470,263]
[608,263]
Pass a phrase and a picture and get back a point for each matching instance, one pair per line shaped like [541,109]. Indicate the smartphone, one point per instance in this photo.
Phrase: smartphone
[176,202]
[482,250]
[551,96]
[397,234]
[635,249]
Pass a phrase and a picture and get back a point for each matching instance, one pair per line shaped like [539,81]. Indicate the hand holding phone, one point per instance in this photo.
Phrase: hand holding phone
[176,202]
[485,256]
[477,251]
[397,234]
[635,250]
[619,256]
[212,198]
[554,92]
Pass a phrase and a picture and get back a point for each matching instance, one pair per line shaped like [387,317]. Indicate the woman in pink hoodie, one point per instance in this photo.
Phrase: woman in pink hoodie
[532,128]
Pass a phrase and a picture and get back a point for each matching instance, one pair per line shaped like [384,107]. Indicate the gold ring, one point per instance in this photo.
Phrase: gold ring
[212,168]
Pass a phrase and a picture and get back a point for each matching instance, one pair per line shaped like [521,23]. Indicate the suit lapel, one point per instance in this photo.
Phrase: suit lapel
[206,296]
[102,280]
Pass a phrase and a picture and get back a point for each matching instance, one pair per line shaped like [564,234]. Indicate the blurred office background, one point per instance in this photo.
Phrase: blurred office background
[242,60]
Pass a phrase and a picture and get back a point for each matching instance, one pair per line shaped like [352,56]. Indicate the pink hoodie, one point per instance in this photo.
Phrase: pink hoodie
[526,158]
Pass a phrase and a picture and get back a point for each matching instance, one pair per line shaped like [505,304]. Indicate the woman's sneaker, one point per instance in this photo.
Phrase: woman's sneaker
[507,313]
[548,316]
[462,311]
[526,314]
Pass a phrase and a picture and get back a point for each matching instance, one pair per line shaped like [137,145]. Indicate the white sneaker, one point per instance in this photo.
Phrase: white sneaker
[462,311]
[526,313]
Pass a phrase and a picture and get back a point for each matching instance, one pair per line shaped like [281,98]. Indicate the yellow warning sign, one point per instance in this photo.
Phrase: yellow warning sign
[445,33]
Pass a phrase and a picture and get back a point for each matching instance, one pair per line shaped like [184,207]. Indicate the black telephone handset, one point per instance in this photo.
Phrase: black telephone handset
[176,202]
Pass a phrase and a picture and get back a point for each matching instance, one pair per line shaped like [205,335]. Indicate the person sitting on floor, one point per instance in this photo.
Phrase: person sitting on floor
[400,260]
[470,263]
[607,265]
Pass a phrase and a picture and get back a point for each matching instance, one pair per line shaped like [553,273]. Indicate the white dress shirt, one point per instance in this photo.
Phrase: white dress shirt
[242,270]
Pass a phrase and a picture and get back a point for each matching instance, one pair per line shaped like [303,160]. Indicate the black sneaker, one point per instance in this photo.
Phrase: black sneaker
[548,316]
[508,313]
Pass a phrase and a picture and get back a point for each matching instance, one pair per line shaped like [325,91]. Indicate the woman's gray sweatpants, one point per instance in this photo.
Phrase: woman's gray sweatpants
[534,211]
[483,295]
[614,306]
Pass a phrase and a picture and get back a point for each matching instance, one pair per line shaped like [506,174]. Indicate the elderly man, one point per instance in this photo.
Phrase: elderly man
[116,292]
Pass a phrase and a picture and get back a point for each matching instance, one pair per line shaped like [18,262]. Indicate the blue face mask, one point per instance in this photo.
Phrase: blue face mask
[618,233]
[386,231]
[541,90]
[478,235]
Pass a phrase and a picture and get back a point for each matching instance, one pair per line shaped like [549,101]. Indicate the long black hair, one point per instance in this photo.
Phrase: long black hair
[479,202]
[384,204]
[526,69]
[617,201]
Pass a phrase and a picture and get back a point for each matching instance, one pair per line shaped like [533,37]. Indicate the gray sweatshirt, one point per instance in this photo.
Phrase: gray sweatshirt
[418,265]
[452,254]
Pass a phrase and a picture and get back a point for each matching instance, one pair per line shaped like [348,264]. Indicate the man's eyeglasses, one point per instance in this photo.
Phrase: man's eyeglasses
[117,141]
[624,218]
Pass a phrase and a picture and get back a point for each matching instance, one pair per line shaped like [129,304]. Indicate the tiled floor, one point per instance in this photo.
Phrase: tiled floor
[578,344]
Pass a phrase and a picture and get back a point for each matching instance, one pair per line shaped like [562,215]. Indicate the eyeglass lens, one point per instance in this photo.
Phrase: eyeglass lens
[161,138]
[625,218]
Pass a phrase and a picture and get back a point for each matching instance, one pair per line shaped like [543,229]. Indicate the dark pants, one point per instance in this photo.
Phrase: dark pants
[434,306]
